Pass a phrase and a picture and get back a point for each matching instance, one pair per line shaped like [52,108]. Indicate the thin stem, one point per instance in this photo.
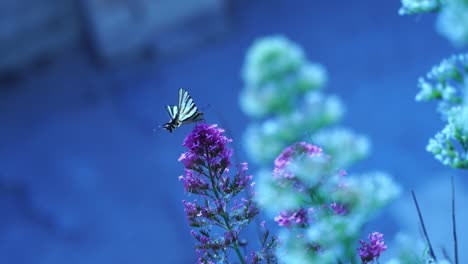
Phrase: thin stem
[225,218]
[228,131]
[431,251]
[454,225]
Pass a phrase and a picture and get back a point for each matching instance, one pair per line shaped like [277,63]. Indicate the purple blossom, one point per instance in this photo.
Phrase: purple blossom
[190,208]
[193,183]
[290,153]
[338,209]
[283,219]
[286,219]
[220,214]
[371,251]
[207,146]
[228,237]
[254,258]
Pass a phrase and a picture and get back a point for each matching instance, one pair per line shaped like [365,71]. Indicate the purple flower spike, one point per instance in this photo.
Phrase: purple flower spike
[371,251]
[219,214]
[207,147]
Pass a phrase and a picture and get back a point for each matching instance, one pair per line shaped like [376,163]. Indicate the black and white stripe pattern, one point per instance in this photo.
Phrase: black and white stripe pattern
[186,112]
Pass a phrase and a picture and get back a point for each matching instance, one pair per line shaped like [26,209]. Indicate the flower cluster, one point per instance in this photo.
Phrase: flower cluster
[321,208]
[371,251]
[220,213]
[338,139]
[410,7]
[275,70]
[283,94]
[410,250]
[320,211]
[452,21]
[447,84]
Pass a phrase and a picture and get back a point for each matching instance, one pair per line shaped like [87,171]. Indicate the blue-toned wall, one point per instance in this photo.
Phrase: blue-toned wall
[85,179]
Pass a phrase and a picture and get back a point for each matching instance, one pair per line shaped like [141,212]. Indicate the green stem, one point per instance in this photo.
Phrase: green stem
[225,217]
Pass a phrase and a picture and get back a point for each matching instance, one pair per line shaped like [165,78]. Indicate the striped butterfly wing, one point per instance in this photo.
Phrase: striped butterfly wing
[172,111]
[188,111]
[173,123]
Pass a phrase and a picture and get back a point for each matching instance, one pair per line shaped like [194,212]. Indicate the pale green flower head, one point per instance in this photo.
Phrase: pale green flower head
[274,198]
[437,91]
[275,75]
[271,75]
[452,22]
[318,111]
[410,7]
[442,148]
[337,234]
[294,248]
[311,77]
[272,58]
[447,70]
[262,141]
[312,171]
[407,250]
[458,117]
[445,83]
[343,145]
[259,104]
[367,193]
[276,97]
[450,146]
[329,231]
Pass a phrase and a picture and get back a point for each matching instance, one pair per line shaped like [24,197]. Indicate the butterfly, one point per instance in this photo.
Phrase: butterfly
[183,113]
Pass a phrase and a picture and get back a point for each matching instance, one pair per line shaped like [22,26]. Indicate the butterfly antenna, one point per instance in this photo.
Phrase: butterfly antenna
[159,128]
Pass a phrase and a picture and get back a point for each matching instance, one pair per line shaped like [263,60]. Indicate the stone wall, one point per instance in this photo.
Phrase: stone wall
[31,30]
[120,27]
[35,29]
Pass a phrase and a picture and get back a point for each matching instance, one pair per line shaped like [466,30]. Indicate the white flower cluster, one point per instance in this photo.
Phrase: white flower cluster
[410,7]
[336,235]
[328,236]
[263,141]
[283,95]
[452,21]
[410,250]
[274,72]
[447,84]
[334,140]
[450,146]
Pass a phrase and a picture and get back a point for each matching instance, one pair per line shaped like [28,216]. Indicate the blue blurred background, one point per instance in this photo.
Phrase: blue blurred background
[85,179]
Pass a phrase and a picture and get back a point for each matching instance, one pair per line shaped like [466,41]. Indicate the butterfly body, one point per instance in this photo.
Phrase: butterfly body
[184,113]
